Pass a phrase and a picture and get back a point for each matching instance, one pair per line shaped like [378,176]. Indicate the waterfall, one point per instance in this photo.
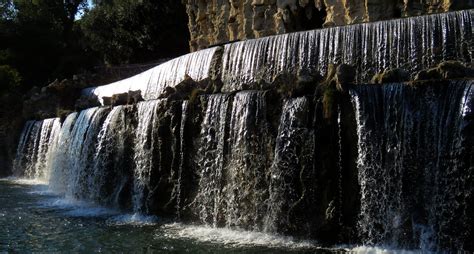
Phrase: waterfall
[412,43]
[122,156]
[60,159]
[90,160]
[234,154]
[80,152]
[111,172]
[393,167]
[250,160]
[145,144]
[249,155]
[294,151]
[47,143]
[24,157]
[180,181]
[209,200]
[248,177]
[35,149]
[196,65]
[413,164]
[152,82]
[157,157]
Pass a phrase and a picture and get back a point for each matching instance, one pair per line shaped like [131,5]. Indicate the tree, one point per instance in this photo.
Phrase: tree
[9,78]
[41,40]
[130,31]
[44,40]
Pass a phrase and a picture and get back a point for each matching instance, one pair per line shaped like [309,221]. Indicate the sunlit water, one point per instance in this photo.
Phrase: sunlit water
[32,219]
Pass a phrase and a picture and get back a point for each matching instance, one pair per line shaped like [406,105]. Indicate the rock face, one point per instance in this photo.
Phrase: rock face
[55,100]
[11,123]
[220,21]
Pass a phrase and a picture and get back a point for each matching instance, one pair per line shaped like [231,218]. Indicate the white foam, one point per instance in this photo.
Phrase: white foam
[42,191]
[24,181]
[233,237]
[135,219]
[379,250]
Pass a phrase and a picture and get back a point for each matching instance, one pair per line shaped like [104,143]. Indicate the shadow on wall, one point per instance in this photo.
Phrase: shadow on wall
[313,17]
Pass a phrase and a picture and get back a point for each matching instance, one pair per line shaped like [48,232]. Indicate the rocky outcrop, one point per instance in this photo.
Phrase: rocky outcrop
[446,70]
[396,75]
[220,21]
[55,100]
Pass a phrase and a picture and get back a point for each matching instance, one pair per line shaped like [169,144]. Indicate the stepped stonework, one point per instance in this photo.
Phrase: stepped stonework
[272,61]
[360,134]
[220,21]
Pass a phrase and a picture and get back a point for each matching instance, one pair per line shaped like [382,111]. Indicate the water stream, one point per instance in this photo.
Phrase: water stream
[384,166]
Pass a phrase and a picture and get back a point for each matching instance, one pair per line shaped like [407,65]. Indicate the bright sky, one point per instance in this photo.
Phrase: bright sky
[80,13]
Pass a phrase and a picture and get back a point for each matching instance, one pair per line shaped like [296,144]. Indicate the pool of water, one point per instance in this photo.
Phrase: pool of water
[35,220]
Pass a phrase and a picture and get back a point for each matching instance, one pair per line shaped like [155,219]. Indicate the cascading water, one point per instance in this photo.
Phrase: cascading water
[177,191]
[413,43]
[246,179]
[35,149]
[209,200]
[249,154]
[294,150]
[145,144]
[196,65]
[60,156]
[234,154]
[261,161]
[111,164]
[262,166]
[26,150]
[80,152]
[152,83]
[414,172]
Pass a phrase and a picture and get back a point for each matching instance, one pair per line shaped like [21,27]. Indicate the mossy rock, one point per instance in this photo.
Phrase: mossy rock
[396,75]
[446,70]
[454,70]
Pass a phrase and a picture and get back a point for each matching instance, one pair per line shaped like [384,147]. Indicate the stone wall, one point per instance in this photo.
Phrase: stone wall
[214,22]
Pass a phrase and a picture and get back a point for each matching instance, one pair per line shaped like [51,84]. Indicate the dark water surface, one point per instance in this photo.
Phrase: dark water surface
[34,220]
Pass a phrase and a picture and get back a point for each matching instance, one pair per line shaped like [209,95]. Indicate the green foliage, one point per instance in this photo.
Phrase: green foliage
[44,40]
[9,78]
[127,31]
[39,37]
